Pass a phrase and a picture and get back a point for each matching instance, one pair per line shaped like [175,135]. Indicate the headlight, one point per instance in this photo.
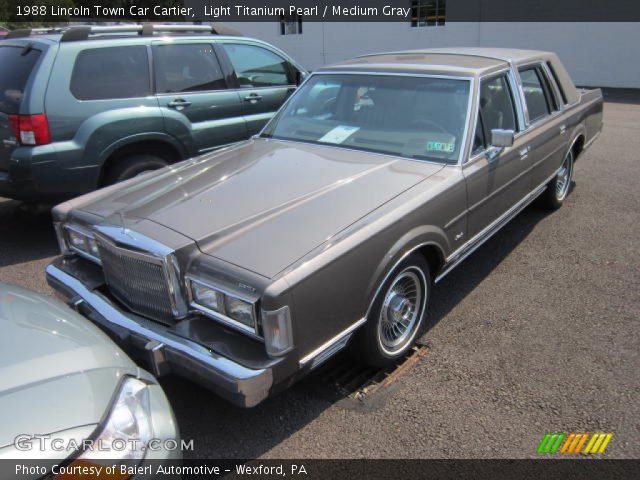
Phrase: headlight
[227,308]
[239,310]
[127,430]
[74,239]
[207,297]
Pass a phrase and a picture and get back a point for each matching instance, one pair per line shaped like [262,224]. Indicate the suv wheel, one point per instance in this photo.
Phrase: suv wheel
[397,314]
[132,166]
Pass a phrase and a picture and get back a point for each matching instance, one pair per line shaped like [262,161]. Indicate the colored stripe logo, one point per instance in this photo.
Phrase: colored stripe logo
[574,443]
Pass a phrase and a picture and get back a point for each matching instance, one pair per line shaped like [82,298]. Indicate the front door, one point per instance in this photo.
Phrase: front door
[193,94]
[496,178]
[265,81]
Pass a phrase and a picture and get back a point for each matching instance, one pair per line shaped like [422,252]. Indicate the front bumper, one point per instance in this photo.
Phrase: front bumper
[164,351]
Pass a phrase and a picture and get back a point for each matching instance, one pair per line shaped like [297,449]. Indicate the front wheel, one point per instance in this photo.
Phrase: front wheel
[397,314]
[558,188]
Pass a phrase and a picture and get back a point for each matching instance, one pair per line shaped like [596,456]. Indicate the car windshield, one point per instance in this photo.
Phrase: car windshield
[417,117]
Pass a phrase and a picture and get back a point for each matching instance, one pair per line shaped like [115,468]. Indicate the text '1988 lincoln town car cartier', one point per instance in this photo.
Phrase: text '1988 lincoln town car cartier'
[246,268]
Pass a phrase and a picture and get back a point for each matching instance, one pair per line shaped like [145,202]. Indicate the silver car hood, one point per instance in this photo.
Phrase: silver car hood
[263,204]
[57,370]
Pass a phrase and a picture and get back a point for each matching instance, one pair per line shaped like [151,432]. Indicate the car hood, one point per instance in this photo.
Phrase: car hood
[264,204]
[57,370]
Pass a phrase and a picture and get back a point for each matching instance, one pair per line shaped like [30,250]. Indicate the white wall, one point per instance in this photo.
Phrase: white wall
[598,54]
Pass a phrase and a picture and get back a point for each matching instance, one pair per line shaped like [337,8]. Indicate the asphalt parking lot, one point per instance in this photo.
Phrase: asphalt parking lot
[538,331]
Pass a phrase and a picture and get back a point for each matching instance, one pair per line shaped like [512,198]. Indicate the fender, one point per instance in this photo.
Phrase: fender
[410,242]
[575,133]
[141,137]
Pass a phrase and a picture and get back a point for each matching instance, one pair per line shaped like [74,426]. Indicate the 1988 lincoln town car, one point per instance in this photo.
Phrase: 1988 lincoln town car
[246,268]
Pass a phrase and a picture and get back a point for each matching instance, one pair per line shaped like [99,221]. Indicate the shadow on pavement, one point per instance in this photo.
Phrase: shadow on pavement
[630,96]
[25,235]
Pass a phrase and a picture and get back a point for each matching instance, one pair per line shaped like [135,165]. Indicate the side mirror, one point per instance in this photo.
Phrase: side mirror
[300,76]
[502,138]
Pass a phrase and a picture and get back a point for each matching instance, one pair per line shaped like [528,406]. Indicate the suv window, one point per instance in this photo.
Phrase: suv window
[258,67]
[17,65]
[496,110]
[534,93]
[189,67]
[111,72]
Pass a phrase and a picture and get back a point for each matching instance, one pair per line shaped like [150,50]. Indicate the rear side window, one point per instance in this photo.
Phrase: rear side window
[534,94]
[110,73]
[558,84]
[187,68]
[16,65]
[258,67]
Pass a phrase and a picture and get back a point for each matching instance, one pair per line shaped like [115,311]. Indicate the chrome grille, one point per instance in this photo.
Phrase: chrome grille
[137,280]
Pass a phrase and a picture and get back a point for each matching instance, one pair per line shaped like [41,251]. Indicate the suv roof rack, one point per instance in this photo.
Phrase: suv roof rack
[83,32]
[27,32]
[73,34]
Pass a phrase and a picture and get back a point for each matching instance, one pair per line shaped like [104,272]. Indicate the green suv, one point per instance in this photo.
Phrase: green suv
[86,107]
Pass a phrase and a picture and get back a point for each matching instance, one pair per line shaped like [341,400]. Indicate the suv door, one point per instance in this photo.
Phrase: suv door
[193,94]
[496,179]
[264,80]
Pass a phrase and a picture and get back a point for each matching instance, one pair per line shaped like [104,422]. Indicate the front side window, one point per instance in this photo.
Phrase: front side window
[479,143]
[428,13]
[413,117]
[187,68]
[534,94]
[258,67]
[496,109]
[111,73]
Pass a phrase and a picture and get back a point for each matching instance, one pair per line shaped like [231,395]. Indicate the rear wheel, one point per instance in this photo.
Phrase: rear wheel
[397,314]
[558,188]
[132,166]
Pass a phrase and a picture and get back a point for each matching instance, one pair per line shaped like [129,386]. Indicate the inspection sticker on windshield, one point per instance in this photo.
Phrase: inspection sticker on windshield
[339,134]
[441,147]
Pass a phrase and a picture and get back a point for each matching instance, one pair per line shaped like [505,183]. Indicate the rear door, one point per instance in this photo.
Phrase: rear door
[547,129]
[16,66]
[264,80]
[194,96]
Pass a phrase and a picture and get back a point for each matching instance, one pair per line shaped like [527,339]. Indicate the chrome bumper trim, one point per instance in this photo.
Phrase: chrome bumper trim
[324,351]
[165,351]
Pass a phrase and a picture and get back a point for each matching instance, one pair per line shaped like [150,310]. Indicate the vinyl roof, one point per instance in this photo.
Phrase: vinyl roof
[462,61]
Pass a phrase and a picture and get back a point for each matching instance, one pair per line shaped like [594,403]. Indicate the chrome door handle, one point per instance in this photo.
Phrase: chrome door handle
[524,152]
[563,129]
[178,104]
[253,98]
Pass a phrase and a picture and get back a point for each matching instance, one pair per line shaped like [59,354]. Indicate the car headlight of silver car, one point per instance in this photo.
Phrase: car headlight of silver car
[229,309]
[77,240]
[127,431]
